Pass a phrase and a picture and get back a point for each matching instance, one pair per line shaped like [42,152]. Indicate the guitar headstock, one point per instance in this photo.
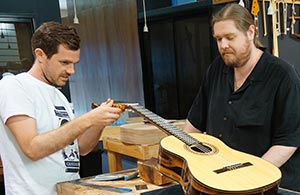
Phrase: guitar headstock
[122,106]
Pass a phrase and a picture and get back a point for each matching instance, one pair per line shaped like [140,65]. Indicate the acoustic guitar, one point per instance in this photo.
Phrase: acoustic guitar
[203,164]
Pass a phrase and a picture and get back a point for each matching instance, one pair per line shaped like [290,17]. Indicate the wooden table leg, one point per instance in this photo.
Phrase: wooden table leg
[114,161]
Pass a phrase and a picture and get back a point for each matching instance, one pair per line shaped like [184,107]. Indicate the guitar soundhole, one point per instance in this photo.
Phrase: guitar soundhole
[202,148]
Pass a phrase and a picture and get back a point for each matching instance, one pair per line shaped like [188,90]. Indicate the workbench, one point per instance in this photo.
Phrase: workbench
[137,186]
[115,149]
[87,186]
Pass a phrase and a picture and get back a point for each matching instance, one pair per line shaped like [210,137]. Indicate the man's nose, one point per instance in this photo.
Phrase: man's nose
[71,70]
[224,44]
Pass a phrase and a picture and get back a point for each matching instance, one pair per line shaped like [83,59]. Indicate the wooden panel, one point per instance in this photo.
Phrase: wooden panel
[110,59]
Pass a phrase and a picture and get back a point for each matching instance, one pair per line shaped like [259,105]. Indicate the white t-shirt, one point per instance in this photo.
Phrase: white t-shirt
[25,95]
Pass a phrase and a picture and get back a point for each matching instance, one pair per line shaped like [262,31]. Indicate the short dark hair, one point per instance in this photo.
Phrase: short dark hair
[52,34]
[241,17]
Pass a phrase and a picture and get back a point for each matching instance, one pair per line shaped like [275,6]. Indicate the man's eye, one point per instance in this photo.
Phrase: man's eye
[218,39]
[230,37]
[64,63]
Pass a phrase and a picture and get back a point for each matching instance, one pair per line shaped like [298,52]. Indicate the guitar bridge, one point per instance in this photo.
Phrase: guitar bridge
[233,167]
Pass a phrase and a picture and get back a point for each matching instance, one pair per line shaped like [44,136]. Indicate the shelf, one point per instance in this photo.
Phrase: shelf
[297,2]
[176,9]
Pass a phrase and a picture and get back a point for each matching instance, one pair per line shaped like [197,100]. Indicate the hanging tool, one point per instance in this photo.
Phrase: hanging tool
[241,3]
[270,9]
[254,12]
[278,23]
[271,12]
[281,4]
[274,29]
[264,17]
[284,4]
[145,18]
[293,22]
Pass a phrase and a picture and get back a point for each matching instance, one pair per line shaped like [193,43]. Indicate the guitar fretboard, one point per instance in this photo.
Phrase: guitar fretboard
[164,125]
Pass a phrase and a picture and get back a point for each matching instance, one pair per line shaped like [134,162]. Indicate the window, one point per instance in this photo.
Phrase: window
[15,47]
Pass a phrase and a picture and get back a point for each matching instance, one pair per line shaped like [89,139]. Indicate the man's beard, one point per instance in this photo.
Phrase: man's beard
[235,59]
[230,61]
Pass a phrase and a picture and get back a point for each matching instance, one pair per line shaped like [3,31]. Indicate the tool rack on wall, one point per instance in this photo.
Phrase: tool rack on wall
[284,17]
[284,20]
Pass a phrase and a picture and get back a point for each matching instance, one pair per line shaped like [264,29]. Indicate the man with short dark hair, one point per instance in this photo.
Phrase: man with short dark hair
[40,138]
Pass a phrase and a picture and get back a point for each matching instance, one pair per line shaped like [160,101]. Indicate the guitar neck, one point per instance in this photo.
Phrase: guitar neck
[157,121]
[163,124]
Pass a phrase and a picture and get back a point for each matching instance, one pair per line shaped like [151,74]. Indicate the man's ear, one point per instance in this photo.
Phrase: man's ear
[40,54]
[251,33]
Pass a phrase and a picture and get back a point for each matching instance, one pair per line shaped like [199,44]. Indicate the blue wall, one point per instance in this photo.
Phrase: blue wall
[40,11]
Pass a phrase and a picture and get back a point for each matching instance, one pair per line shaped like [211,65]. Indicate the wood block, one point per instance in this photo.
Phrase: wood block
[110,130]
[143,133]
[142,152]
[140,133]
[149,173]
[115,130]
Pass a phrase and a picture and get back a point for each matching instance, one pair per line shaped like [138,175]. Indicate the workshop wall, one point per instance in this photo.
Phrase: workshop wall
[39,11]
[175,72]
[110,65]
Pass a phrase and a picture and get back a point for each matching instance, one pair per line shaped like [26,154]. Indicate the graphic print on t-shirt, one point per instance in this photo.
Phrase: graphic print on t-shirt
[70,152]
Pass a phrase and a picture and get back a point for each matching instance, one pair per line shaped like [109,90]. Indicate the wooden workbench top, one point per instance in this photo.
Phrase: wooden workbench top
[73,188]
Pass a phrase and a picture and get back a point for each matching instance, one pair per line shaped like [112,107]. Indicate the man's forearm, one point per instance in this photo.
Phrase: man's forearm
[278,155]
[89,139]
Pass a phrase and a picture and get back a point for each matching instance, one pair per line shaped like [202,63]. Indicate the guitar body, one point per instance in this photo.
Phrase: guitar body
[218,170]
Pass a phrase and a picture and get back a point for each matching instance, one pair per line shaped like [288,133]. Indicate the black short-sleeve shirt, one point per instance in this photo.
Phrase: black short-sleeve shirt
[264,112]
